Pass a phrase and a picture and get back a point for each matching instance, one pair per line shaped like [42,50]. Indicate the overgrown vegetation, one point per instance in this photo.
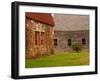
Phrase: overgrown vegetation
[77,47]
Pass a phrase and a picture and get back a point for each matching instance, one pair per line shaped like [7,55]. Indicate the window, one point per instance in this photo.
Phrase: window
[69,42]
[83,41]
[55,42]
[42,38]
[37,38]
[39,34]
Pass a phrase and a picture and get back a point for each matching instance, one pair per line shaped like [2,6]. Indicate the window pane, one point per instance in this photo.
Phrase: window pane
[36,38]
[69,42]
[55,42]
[83,41]
[42,38]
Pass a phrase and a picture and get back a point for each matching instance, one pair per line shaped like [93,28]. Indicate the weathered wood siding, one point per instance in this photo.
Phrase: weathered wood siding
[75,36]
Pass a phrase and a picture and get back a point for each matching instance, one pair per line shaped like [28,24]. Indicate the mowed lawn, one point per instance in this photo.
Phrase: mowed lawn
[59,59]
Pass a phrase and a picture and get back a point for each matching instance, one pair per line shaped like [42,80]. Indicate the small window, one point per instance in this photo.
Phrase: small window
[83,41]
[69,42]
[36,38]
[55,42]
[42,38]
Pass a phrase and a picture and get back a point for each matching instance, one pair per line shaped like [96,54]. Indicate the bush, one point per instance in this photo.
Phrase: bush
[77,47]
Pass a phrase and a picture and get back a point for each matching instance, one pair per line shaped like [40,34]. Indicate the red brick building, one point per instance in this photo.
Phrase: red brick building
[39,34]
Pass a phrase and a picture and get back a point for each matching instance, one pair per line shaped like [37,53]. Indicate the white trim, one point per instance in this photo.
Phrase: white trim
[51,70]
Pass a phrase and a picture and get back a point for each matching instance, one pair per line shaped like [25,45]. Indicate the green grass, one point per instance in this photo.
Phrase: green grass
[59,59]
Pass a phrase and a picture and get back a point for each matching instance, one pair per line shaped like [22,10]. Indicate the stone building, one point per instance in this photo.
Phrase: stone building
[39,34]
[70,29]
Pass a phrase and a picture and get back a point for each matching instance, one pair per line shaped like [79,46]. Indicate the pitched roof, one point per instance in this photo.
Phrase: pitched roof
[71,22]
[41,17]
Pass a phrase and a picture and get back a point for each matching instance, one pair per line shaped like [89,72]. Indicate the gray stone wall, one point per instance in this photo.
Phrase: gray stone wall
[75,36]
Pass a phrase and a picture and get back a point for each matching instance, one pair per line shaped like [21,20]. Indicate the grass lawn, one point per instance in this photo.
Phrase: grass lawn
[59,59]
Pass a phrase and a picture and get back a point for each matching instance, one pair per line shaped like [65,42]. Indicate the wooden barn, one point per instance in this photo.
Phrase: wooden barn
[70,29]
[39,34]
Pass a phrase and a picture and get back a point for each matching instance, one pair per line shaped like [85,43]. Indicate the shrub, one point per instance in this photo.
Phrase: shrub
[77,47]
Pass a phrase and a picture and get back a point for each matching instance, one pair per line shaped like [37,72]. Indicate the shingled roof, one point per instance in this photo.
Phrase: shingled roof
[71,22]
[41,17]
